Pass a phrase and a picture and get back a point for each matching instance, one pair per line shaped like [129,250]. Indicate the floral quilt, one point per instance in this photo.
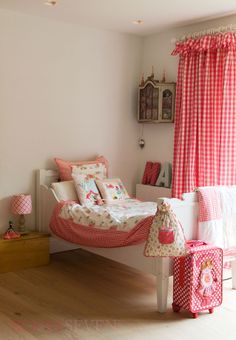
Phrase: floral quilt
[122,215]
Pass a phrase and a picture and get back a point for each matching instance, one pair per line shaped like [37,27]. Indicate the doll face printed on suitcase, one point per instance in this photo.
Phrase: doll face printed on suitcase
[208,279]
[198,279]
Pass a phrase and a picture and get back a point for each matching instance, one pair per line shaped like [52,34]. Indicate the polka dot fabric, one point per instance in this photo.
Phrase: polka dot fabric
[188,276]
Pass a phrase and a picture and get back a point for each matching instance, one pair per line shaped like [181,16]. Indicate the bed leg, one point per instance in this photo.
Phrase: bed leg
[233,264]
[162,281]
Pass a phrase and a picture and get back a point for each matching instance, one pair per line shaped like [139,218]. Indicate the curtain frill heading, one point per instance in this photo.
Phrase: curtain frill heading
[223,41]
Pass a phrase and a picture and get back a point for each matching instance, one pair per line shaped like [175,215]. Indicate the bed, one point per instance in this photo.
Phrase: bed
[186,210]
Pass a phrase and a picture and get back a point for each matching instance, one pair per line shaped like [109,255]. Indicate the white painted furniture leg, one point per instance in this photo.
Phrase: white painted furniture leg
[233,264]
[163,269]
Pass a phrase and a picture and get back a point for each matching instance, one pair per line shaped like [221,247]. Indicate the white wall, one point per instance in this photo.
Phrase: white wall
[65,91]
[157,52]
[71,91]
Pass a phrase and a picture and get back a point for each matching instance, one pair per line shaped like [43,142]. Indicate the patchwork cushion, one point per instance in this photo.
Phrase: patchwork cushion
[112,189]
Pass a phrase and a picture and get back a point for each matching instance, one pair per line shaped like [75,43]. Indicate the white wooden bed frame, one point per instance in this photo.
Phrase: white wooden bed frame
[186,210]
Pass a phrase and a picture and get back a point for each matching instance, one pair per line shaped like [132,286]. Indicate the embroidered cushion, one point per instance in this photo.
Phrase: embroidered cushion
[65,169]
[112,189]
[86,189]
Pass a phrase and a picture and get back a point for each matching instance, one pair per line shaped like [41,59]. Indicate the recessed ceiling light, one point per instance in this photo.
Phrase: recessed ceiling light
[138,22]
[50,2]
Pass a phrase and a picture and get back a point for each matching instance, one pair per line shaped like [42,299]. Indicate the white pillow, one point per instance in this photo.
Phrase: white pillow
[65,191]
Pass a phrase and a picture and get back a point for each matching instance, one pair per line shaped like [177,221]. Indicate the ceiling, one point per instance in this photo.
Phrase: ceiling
[118,15]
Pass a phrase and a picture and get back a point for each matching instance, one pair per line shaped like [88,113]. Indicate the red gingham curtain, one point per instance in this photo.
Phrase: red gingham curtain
[205,121]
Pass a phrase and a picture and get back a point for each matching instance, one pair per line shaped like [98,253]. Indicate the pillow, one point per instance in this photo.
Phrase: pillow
[96,169]
[64,167]
[65,191]
[87,190]
[112,189]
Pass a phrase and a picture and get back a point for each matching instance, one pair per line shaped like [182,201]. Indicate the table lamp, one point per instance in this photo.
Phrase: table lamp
[21,205]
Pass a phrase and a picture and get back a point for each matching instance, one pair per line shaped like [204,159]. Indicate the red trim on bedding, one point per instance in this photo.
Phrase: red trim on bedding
[94,237]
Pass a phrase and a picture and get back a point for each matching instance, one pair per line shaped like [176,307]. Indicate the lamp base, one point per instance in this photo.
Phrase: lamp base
[22,228]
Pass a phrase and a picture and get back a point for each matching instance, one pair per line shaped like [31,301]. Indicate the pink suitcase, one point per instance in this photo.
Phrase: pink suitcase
[198,279]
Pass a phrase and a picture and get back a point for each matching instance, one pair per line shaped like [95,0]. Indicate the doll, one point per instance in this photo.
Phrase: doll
[11,233]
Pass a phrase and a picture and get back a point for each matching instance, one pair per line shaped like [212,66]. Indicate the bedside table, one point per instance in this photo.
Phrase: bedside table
[30,250]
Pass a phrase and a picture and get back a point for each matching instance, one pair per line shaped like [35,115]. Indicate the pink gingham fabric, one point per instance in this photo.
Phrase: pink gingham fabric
[21,204]
[91,236]
[210,209]
[205,119]
[209,204]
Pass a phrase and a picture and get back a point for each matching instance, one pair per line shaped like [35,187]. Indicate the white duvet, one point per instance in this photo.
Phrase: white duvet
[123,215]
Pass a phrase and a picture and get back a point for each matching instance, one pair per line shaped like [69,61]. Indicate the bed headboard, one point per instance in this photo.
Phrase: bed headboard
[45,197]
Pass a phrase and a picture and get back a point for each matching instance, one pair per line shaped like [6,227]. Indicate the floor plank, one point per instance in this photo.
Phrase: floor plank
[84,296]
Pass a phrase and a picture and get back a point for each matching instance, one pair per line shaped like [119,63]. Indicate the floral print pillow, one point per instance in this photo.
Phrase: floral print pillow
[87,190]
[97,169]
[65,167]
[112,189]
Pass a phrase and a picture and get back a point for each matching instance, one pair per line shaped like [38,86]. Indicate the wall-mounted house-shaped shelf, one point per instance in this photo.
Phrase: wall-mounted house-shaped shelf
[156,102]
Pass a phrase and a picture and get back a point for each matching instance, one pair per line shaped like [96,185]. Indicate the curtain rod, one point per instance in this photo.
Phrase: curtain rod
[212,31]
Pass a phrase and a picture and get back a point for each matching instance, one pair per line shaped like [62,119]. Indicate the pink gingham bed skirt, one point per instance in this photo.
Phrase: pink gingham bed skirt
[94,237]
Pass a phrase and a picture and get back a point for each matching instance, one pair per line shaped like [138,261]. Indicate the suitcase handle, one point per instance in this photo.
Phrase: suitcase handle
[195,243]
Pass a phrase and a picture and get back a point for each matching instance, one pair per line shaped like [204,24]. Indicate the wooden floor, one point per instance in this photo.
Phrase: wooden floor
[83,296]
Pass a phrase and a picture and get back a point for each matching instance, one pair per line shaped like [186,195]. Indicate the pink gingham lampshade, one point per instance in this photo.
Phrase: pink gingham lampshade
[21,204]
